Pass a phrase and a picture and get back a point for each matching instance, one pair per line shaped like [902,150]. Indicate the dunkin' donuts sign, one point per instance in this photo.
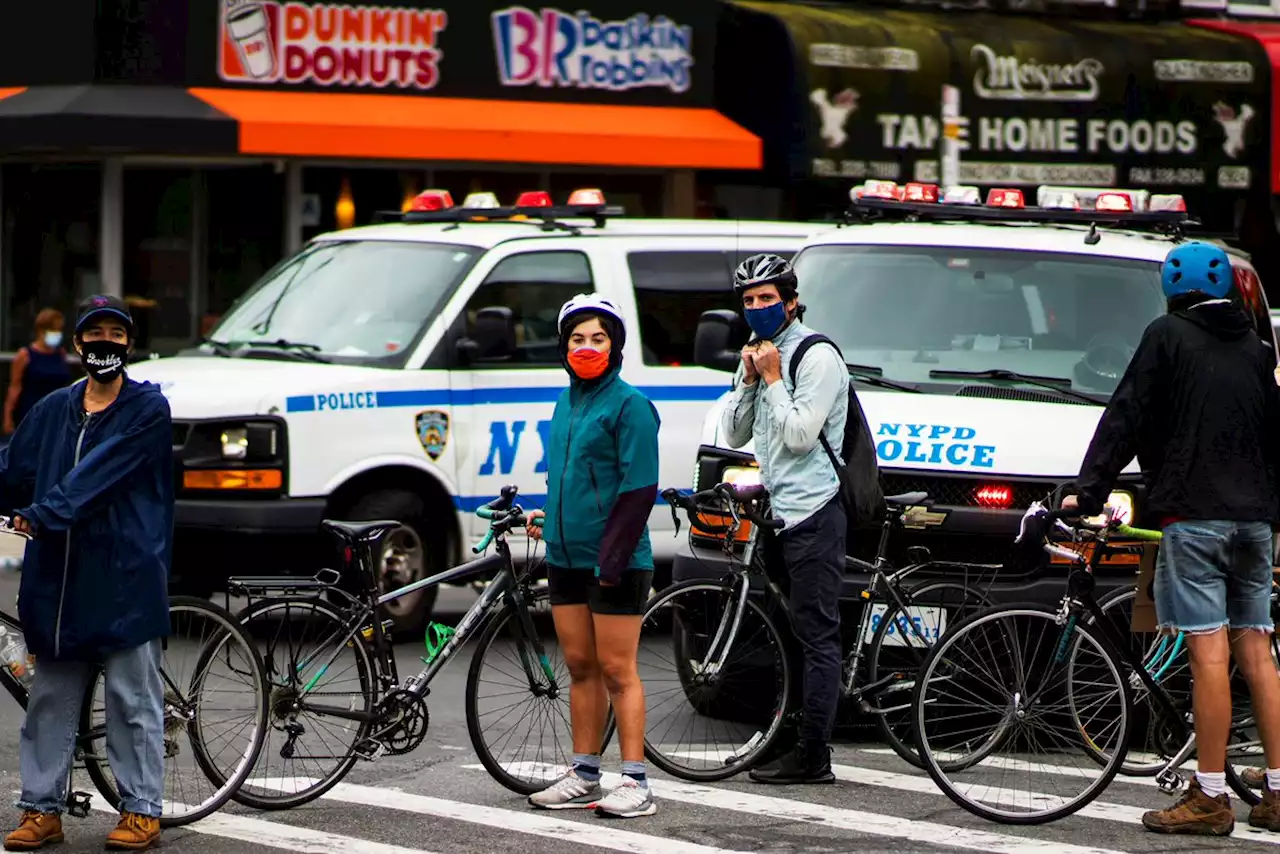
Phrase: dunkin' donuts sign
[264,41]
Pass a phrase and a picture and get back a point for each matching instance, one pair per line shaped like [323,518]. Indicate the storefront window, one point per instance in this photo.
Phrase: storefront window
[366,191]
[49,221]
[245,227]
[157,256]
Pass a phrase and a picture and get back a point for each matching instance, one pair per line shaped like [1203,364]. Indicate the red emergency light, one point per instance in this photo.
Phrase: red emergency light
[534,199]
[1003,197]
[993,495]
[431,200]
[586,198]
[881,190]
[917,192]
[1112,202]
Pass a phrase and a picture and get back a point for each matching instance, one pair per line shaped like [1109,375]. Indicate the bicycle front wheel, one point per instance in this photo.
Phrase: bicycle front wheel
[703,723]
[998,679]
[517,710]
[213,682]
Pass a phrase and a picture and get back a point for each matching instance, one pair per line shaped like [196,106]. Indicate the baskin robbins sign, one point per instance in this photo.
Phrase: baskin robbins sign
[326,44]
[550,47]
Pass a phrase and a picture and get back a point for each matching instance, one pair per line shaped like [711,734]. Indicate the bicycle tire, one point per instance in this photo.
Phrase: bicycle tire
[905,745]
[97,767]
[767,739]
[483,750]
[368,690]
[935,768]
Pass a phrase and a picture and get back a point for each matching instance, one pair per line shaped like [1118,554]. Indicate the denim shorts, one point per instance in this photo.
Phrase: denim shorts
[1214,574]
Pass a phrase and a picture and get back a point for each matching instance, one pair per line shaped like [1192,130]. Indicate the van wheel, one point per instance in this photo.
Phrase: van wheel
[409,553]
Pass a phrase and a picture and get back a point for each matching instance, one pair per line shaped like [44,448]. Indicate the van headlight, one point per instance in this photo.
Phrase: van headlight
[235,443]
[1123,505]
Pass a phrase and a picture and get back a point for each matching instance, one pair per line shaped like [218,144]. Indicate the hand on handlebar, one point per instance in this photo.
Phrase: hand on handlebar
[533,525]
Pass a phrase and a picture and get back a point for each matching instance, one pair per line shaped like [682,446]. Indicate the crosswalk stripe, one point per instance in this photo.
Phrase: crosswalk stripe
[526,821]
[869,823]
[275,835]
[1047,768]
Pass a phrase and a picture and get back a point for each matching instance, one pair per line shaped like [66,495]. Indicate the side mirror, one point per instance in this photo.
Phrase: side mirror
[719,340]
[493,339]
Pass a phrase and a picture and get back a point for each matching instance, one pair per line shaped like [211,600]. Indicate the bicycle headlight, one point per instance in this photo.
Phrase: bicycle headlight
[742,475]
[1123,505]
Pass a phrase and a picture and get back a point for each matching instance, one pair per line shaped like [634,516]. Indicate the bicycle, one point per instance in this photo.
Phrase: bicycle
[382,715]
[747,604]
[1021,715]
[184,711]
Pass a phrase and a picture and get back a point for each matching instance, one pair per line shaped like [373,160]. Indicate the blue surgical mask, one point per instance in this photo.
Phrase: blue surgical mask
[766,322]
[52,339]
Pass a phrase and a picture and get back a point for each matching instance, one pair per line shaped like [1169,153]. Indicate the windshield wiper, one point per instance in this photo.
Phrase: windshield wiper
[310,352]
[220,348]
[1061,385]
[872,375]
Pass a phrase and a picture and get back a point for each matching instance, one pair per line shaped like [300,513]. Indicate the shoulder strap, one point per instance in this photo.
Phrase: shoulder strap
[816,338]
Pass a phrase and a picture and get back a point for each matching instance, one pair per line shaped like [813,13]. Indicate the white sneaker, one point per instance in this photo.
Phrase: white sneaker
[570,792]
[629,800]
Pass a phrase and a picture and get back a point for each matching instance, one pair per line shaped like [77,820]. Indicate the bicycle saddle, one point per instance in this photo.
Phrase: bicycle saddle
[354,532]
[906,499]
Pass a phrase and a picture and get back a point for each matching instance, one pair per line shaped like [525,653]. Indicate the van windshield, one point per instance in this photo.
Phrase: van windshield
[915,311]
[360,302]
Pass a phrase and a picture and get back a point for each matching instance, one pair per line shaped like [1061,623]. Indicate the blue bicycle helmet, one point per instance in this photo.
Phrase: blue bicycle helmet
[1196,266]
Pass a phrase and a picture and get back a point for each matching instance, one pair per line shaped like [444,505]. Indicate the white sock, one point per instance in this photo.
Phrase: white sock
[1273,779]
[1212,783]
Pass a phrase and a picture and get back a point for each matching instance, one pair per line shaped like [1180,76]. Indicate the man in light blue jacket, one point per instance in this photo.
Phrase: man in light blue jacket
[785,421]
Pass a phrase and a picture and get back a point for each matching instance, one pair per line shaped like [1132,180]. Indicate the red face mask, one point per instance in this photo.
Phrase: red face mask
[588,364]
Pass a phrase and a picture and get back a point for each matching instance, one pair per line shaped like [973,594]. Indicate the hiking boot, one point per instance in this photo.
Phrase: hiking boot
[1253,777]
[35,830]
[628,800]
[1266,814]
[570,792]
[808,763]
[1194,813]
[134,833]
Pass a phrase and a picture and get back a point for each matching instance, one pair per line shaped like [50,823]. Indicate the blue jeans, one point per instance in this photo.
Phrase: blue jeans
[1212,574]
[135,730]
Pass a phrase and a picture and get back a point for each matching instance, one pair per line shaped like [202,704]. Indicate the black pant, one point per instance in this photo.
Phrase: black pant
[813,553]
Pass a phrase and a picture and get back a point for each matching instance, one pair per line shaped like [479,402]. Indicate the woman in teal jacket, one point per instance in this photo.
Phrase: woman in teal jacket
[602,482]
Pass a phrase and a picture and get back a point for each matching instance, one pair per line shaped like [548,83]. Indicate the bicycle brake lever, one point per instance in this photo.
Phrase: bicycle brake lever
[675,514]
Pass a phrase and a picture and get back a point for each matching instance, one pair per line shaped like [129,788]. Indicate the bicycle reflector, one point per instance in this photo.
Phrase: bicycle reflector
[1002,197]
[534,199]
[1112,202]
[586,198]
[431,200]
[996,496]
[916,192]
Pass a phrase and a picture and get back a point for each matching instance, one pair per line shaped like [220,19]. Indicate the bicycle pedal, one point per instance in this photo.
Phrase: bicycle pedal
[78,804]
[369,751]
[1170,782]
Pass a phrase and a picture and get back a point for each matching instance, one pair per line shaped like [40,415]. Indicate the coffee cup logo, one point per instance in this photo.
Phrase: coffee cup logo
[250,32]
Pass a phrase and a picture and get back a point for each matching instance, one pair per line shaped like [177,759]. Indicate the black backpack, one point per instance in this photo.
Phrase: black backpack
[857,466]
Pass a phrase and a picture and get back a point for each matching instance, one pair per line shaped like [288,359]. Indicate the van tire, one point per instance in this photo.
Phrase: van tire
[407,508]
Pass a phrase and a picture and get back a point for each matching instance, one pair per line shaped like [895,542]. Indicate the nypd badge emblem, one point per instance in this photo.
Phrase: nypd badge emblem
[433,431]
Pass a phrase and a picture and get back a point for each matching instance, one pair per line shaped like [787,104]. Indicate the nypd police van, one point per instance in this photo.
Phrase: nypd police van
[409,369]
[984,338]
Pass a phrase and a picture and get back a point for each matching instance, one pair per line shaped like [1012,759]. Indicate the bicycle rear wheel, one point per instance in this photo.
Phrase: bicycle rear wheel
[705,726]
[992,702]
[221,657]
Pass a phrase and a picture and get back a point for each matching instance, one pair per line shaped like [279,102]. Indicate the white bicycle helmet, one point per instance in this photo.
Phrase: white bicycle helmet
[593,303]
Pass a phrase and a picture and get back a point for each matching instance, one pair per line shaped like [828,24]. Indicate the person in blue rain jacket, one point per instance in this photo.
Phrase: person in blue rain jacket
[89,475]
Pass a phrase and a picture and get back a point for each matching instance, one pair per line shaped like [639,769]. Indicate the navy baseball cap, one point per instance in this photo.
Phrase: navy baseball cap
[100,307]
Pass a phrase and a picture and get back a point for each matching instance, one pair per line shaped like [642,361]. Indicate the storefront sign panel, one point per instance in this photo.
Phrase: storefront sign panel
[1083,103]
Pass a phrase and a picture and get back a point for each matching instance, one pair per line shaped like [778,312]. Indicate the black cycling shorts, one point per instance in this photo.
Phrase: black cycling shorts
[581,587]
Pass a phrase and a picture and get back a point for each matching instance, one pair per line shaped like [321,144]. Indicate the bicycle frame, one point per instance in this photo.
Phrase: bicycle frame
[505,590]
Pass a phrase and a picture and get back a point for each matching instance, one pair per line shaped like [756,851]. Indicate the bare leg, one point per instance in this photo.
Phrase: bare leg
[617,645]
[1211,697]
[588,702]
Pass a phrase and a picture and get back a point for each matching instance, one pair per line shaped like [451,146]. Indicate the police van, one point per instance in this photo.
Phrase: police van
[984,338]
[409,369]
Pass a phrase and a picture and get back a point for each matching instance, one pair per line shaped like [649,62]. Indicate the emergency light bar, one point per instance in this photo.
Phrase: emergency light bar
[877,199]
[438,206]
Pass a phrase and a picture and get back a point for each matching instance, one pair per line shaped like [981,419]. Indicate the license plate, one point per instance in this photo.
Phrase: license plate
[926,626]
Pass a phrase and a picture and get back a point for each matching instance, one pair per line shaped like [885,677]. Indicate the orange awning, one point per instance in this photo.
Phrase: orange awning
[8,91]
[407,127]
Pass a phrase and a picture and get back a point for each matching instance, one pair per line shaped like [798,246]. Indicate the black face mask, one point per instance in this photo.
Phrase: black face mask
[103,360]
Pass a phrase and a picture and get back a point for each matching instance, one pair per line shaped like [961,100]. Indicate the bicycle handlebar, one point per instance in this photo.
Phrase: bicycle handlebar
[741,502]
[1043,522]
[503,515]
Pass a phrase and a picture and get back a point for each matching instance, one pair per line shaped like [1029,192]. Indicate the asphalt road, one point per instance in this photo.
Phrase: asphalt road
[438,799]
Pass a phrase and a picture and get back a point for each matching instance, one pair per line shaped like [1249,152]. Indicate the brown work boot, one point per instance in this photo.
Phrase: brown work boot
[35,830]
[1194,813]
[1253,777]
[1267,813]
[133,833]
